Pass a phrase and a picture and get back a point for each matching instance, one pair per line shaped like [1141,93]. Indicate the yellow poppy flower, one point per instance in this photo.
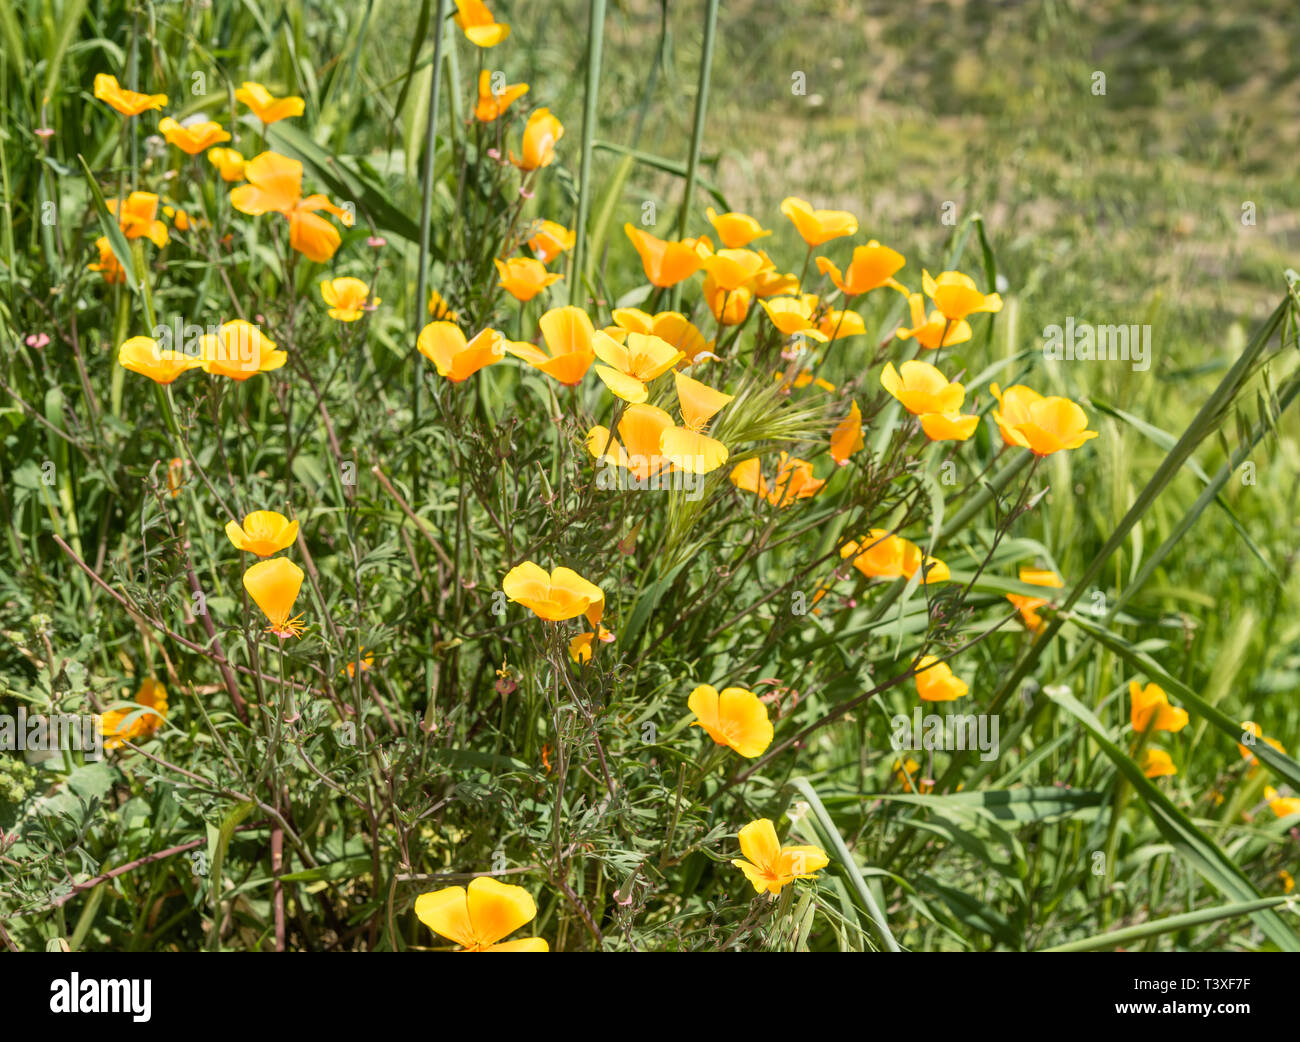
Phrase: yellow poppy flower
[771,866]
[794,480]
[367,663]
[668,263]
[736,230]
[1152,702]
[847,438]
[735,718]
[935,682]
[872,266]
[636,449]
[476,21]
[264,532]
[818,226]
[229,163]
[563,594]
[274,586]
[265,106]
[348,298]
[127,102]
[687,446]
[541,134]
[443,344]
[142,355]
[524,277]
[921,388]
[239,350]
[113,723]
[550,240]
[1028,606]
[137,217]
[194,138]
[1156,763]
[569,336]
[493,104]
[629,368]
[1042,425]
[930,332]
[955,295]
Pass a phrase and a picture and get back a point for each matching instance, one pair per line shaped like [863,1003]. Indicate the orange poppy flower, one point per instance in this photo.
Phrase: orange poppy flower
[794,480]
[847,438]
[1150,708]
[687,446]
[818,226]
[921,388]
[872,266]
[1156,763]
[930,332]
[142,355]
[1028,606]
[274,586]
[138,217]
[885,556]
[563,594]
[569,335]
[267,107]
[948,426]
[443,344]
[127,102]
[771,866]
[275,186]
[194,137]
[935,682]
[637,447]
[1042,425]
[955,295]
[736,230]
[153,696]
[630,367]
[479,917]
[239,350]
[733,717]
[493,104]
[668,263]
[229,163]
[524,277]
[476,21]
[550,240]
[795,316]
[264,532]
[541,134]
[108,265]
[348,298]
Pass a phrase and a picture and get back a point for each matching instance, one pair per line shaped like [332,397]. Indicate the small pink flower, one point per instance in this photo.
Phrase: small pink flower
[494,153]
[525,193]
[37,340]
[45,132]
[376,241]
